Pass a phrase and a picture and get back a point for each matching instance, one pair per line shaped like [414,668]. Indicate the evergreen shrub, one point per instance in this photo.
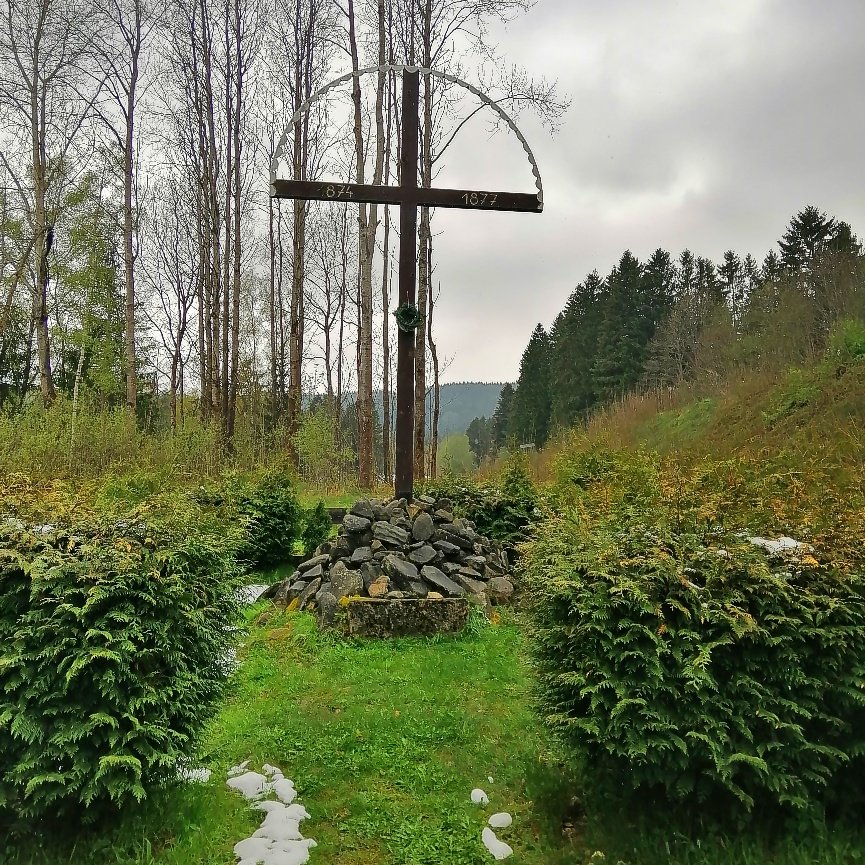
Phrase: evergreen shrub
[502,511]
[690,662]
[268,510]
[316,528]
[113,646]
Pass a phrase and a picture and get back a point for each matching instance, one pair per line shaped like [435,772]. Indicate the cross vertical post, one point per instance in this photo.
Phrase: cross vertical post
[404,477]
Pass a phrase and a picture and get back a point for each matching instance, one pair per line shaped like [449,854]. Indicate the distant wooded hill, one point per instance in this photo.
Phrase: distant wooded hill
[461,402]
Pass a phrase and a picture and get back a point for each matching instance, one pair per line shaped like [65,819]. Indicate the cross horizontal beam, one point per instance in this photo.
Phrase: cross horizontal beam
[466,199]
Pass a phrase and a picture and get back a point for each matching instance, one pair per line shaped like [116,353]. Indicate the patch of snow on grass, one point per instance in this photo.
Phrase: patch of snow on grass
[253,785]
[780,545]
[479,797]
[195,776]
[250,594]
[284,789]
[501,820]
[278,841]
[279,826]
[498,849]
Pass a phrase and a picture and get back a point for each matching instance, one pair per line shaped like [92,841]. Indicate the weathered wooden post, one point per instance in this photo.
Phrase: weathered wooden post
[404,464]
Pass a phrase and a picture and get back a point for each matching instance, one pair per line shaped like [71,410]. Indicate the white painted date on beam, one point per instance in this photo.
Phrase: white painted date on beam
[479,199]
[335,190]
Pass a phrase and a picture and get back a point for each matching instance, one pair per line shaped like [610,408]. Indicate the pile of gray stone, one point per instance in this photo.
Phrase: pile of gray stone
[394,550]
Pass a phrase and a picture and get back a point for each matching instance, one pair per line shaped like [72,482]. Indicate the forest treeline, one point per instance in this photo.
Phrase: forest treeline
[144,265]
[671,321]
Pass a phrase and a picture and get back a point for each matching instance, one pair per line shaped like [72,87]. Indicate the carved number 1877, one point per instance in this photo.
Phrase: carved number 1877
[479,199]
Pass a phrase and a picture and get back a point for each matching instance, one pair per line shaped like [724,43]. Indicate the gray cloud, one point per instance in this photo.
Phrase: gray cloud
[700,125]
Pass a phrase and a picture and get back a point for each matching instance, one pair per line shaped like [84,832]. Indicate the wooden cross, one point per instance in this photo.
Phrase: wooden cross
[409,197]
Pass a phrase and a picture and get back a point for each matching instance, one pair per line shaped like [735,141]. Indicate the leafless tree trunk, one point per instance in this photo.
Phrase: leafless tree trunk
[385,346]
[130,23]
[172,277]
[245,25]
[368,226]
[302,53]
[271,247]
[324,300]
[343,295]
[436,386]
[424,238]
[280,297]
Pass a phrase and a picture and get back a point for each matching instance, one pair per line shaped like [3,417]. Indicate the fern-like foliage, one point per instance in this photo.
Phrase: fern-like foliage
[316,528]
[110,642]
[266,508]
[689,661]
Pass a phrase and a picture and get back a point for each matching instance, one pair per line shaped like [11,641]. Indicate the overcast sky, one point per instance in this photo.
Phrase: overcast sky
[694,124]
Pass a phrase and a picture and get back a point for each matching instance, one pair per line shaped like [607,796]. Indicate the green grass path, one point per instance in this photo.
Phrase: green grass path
[385,741]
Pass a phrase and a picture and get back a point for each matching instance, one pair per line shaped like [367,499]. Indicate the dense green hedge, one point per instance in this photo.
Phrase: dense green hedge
[692,663]
[113,648]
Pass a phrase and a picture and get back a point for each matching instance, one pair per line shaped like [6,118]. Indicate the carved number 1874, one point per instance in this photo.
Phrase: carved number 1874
[479,199]
[334,190]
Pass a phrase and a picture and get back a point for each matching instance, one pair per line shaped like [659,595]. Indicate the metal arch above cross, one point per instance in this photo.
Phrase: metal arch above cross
[409,196]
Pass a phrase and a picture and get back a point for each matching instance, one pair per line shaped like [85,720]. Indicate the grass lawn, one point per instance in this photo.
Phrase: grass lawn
[384,741]
[310,496]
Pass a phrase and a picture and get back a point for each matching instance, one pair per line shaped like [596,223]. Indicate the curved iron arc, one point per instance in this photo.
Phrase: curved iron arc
[400,67]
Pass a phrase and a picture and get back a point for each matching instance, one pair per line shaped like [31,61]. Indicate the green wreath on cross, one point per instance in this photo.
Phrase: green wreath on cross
[408,318]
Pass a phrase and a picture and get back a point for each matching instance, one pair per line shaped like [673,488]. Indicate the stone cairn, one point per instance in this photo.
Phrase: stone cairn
[393,550]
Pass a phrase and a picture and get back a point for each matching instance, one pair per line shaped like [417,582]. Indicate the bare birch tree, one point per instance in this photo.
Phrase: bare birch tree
[172,278]
[47,92]
[299,58]
[130,24]
[368,227]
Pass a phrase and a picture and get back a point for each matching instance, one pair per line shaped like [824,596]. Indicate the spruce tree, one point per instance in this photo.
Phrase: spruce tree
[750,273]
[530,415]
[480,436]
[687,273]
[844,241]
[622,333]
[771,269]
[708,286]
[573,345]
[807,237]
[501,432]
[764,297]
[732,282]
[658,289]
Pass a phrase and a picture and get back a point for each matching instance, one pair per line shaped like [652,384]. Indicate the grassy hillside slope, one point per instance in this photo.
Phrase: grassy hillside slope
[809,421]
